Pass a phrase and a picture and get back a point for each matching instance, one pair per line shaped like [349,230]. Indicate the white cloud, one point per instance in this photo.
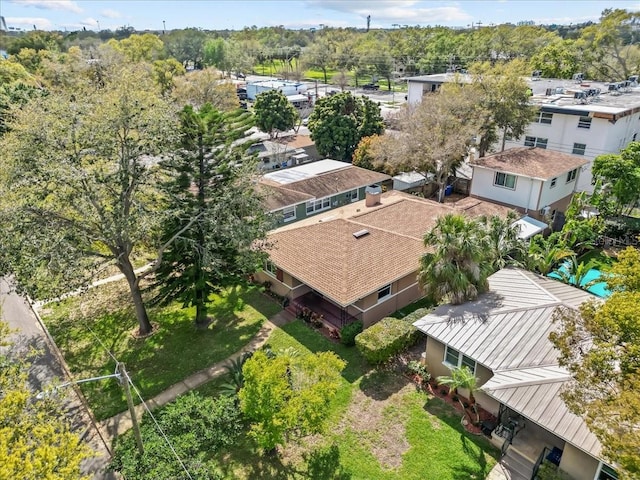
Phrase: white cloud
[51,5]
[89,22]
[566,20]
[27,23]
[396,11]
[108,13]
[315,23]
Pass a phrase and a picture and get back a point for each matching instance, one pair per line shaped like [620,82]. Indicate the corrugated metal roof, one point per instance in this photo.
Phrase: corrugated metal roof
[542,404]
[507,330]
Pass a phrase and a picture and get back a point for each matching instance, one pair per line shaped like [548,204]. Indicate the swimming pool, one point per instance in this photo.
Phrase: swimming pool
[599,289]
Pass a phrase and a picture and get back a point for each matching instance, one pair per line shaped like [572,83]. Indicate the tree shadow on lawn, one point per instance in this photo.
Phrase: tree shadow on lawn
[381,384]
[474,446]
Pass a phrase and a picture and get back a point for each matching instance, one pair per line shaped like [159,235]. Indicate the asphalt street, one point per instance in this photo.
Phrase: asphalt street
[16,311]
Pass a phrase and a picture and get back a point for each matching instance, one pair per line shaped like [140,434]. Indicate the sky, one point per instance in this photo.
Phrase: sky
[224,14]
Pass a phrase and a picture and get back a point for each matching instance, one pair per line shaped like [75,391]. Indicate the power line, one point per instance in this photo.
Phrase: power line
[166,439]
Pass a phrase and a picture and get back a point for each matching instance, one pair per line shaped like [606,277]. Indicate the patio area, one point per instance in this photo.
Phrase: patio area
[326,312]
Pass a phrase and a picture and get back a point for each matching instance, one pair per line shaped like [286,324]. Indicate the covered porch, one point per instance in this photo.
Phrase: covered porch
[330,314]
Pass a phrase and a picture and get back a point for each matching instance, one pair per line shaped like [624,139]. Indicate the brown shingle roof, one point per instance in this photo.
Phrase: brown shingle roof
[318,186]
[328,258]
[531,162]
[323,253]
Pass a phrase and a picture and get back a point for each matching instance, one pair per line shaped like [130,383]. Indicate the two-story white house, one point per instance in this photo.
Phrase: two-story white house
[533,180]
[577,117]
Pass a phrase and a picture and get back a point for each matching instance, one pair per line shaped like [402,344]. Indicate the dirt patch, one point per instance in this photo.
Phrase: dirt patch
[379,421]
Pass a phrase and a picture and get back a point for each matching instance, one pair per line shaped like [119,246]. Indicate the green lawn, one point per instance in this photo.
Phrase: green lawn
[175,351]
[379,427]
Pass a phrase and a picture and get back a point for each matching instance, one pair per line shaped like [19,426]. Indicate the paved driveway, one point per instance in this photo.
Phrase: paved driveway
[18,314]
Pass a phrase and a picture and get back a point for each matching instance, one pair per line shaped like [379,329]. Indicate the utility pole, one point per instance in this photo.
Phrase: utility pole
[134,420]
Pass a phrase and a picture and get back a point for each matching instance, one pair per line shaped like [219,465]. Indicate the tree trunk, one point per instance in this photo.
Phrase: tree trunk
[441,188]
[202,319]
[136,295]
[504,138]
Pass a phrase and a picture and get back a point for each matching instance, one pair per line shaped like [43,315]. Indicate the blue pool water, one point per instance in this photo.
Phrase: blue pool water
[599,289]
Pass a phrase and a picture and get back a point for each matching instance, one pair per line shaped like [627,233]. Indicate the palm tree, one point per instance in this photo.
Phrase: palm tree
[462,378]
[574,272]
[544,254]
[504,246]
[456,269]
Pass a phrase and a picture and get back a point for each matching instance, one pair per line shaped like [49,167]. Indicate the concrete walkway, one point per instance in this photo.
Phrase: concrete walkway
[118,424]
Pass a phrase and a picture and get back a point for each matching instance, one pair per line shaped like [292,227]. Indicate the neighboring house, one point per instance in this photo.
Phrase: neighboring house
[285,151]
[578,117]
[533,180]
[503,337]
[299,192]
[359,261]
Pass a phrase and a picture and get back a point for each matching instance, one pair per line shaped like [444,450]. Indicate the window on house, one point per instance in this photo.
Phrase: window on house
[553,182]
[384,292]
[318,205]
[352,196]
[584,122]
[571,176]
[544,117]
[505,180]
[451,356]
[535,142]
[579,148]
[607,473]
[288,214]
[454,359]
[270,267]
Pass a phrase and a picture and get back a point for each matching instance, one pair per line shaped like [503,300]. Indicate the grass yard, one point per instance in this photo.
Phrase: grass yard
[174,352]
[380,427]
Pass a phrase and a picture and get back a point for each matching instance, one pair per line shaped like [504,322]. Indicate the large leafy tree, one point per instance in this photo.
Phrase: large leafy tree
[288,394]
[455,268]
[78,187]
[505,96]
[211,182]
[436,135]
[619,176]
[339,122]
[274,112]
[205,86]
[35,437]
[600,346]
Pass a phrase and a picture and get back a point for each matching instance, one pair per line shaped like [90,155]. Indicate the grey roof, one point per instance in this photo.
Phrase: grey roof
[541,403]
[507,330]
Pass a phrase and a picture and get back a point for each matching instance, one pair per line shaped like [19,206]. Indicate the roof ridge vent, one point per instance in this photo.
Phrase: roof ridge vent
[361,233]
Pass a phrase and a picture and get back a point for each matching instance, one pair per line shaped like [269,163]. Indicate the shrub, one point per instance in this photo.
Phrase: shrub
[549,471]
[385,339]
[419,369]
[349,332]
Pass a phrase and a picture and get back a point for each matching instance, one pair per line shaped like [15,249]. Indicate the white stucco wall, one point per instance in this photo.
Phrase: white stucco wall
[550,195]
[602,137]
[525,195]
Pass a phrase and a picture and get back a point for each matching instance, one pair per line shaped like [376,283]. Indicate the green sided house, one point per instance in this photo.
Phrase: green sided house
[358,261]
[296,193]
[503,337]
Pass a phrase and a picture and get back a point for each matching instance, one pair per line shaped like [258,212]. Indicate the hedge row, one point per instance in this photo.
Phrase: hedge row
[385,339]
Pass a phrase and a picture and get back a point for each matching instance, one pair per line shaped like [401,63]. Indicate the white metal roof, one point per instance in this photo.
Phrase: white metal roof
[541,402]
[296,174]
[507,330]
[528,227]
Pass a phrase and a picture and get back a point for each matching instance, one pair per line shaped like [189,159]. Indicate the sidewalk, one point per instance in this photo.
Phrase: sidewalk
[118,424]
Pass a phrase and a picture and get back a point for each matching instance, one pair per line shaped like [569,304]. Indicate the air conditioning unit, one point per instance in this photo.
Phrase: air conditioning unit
[545,210]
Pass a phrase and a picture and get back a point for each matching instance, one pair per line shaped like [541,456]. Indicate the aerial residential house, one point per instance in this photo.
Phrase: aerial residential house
[358,261]
[299,192]
[579,117]
[285,151]
[535,181]
[503,337]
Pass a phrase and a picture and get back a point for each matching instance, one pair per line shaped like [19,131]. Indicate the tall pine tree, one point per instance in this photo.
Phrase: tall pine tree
[210,180]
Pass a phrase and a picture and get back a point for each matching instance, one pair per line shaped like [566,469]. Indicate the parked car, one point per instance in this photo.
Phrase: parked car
[370,86]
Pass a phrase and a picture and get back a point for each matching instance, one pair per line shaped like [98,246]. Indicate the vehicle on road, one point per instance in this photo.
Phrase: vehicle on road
[370,86]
